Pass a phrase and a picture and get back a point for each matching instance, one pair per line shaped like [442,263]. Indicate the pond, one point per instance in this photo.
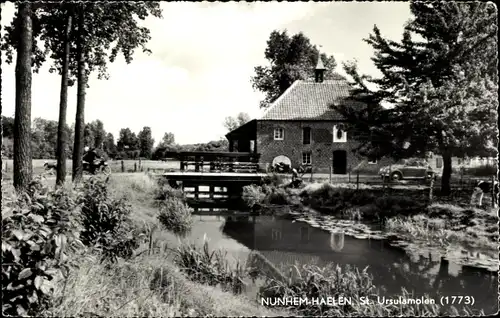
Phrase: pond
[283,243]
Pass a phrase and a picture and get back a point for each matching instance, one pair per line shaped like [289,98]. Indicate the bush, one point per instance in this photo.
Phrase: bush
[328,195]
[209,267]
[273,179]
[393,205]
[39,229]
[252,195]
[106,223]
[277,196]
[175,215]
[482,171]
[164,191]
[372,204]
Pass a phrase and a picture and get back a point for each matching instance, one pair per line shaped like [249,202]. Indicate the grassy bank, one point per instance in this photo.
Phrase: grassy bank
[147,286]
[148,282]
[407,213]
[160,275]
[450,225]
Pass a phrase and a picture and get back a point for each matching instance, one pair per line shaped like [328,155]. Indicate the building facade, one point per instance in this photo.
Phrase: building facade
[304,127]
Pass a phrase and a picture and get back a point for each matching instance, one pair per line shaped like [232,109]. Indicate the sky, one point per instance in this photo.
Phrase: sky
[203,56]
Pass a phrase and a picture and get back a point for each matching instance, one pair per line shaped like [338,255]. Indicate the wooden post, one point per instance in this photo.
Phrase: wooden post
[311,180]
[461,176]
[349,176]
[431,190]
[6,166]
[196,167]
[140,164]
[357,180]
[135,166]
[123,166]
[331,172]
[182,165]
[212,190]
[493,191]
[389,178]
[196,191]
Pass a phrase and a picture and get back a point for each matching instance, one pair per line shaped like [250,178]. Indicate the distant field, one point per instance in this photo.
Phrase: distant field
[116,166]
[163,166]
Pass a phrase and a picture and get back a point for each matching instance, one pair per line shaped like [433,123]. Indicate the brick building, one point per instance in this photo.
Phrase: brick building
[303,127]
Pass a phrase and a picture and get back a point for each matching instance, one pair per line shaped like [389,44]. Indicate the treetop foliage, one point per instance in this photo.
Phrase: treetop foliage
[441,79]
[290,58]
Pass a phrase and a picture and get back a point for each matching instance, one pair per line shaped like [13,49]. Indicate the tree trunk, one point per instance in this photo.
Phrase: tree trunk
[80,102]
[62,138]
[22,119]
[445,178]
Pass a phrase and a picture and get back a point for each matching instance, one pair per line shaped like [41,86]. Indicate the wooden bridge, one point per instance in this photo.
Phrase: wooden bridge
[222,175]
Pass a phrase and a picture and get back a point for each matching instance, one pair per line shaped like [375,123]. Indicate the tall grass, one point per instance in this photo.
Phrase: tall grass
[448,225]
[351,284]
[145,286]
[209,267]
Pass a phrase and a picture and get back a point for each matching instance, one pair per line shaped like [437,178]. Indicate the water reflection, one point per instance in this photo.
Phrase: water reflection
[284,243]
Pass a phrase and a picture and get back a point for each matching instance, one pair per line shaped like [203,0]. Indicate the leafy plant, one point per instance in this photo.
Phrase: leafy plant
[175,215]
[106,222]
[39,229]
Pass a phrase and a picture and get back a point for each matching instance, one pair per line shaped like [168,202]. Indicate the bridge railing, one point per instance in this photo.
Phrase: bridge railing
[218,166]
[245,162]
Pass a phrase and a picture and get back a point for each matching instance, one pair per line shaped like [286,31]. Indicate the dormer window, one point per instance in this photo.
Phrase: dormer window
[339,134]
[279,134]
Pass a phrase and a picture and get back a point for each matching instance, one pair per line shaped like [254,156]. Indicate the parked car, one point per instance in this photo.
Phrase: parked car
[408,169]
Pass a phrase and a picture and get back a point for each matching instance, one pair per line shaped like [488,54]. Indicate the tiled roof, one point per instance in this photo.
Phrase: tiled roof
[308,100]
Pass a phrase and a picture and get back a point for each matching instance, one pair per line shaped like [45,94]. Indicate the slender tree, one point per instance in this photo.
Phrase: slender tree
[80,101]
[22,120]
[62,138]
[146,142]
[99,26]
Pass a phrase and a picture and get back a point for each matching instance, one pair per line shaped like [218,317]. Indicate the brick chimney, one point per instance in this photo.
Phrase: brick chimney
[319,72]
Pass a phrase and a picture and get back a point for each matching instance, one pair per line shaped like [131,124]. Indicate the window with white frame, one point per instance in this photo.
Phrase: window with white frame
[279,134]
[339,134]
[306,158]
